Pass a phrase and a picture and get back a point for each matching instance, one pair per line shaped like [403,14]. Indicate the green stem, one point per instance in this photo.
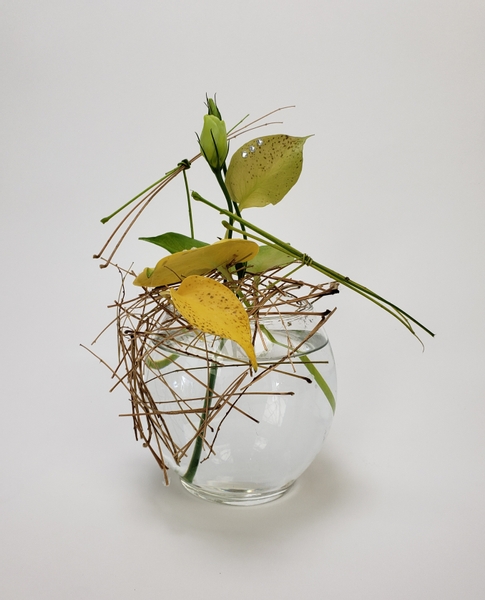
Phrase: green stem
[184,164]
[240,267]
[237,124]
[391,308]
[243,228]
[199,442]
[106,219]
[189,205]
[225,191]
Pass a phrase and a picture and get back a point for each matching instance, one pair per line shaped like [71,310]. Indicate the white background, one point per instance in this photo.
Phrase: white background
[99,99]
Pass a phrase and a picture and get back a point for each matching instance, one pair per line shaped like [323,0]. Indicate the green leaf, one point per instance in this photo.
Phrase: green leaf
[160,364]
[174,242]
[265,169]
[312,369]
[268,258]
[319,380]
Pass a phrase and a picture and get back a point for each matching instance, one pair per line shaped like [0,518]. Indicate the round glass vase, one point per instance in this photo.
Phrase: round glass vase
[236,436]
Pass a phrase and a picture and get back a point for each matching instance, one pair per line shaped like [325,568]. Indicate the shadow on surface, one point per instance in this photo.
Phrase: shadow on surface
[323,491]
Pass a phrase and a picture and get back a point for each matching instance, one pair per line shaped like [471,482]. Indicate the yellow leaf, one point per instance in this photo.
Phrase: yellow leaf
[265,169]
[213,308]
[198,261]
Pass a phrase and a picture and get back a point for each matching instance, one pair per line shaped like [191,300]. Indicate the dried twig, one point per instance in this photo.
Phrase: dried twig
[157,348]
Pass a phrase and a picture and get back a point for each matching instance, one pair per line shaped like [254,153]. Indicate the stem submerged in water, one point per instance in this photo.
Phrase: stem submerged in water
[199,442]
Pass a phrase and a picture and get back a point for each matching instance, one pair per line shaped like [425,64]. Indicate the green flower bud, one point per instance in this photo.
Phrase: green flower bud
[213,141]
[213,108]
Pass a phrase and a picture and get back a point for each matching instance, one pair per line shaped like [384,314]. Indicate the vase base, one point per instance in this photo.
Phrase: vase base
[236,496]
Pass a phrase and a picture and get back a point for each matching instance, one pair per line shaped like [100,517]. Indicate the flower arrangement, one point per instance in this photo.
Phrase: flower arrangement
[199,339]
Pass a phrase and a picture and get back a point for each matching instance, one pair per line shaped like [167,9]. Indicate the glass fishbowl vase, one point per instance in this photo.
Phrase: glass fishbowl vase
[238,436]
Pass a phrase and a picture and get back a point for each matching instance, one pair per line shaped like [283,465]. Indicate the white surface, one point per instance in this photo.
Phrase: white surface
[99,99]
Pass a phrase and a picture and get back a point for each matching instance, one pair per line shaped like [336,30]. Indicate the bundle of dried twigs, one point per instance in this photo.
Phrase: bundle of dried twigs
[154,340]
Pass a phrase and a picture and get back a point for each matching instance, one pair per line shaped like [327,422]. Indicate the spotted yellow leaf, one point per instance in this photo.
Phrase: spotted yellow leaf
[213,308]
[265,169]
[198,261]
